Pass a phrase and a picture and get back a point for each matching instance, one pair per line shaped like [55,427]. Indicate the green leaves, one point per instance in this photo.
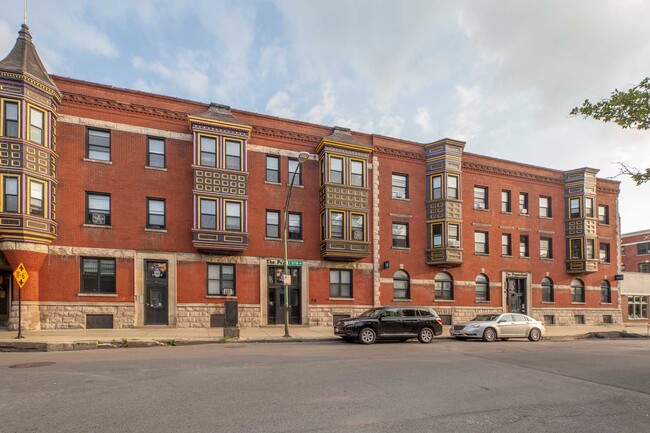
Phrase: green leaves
[629,109]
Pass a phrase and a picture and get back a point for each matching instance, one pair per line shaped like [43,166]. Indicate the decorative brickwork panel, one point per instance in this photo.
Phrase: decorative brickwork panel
[344,197]
[223,183]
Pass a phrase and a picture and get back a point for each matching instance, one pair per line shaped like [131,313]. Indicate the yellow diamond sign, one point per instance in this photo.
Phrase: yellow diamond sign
[21,275]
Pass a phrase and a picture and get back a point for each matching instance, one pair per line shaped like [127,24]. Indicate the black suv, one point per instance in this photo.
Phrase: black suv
[391,323]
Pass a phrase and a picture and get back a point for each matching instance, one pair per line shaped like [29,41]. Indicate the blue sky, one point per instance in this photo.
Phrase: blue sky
[501,75]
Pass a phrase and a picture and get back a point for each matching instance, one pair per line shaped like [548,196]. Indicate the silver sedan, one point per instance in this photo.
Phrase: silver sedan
[489,327]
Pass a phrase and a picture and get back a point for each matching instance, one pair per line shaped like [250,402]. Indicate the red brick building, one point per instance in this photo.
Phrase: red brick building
[635,288]
[131,209]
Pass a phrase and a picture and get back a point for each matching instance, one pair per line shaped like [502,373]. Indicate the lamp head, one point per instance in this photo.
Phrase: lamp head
[303,156]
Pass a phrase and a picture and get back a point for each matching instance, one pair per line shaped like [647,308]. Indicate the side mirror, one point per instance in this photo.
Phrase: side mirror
[501,321]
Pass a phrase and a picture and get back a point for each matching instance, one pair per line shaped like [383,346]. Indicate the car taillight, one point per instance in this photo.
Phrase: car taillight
[439,320]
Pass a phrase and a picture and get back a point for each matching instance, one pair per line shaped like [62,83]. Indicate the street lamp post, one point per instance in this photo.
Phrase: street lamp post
[302,157]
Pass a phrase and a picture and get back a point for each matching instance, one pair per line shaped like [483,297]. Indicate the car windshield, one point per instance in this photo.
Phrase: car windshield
[371,313]
[485,318]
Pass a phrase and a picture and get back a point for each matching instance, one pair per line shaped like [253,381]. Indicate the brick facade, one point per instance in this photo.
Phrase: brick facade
[182,259]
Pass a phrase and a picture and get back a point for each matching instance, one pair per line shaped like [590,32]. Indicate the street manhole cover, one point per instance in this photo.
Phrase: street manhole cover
[32,364]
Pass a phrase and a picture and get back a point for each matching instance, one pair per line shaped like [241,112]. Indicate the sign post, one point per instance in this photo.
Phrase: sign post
[21,276]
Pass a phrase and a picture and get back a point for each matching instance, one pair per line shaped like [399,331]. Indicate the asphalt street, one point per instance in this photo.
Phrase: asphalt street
[447,386]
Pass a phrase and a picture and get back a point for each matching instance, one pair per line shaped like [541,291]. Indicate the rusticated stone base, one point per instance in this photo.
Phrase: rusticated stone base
[324,315]
[459,315]
[198,315]
[566,316]
[74,316]
[30,317]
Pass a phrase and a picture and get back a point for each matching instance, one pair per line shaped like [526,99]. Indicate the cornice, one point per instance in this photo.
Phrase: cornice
[285,135]
[111,104]
[510,173]
[399,153]
[607,190]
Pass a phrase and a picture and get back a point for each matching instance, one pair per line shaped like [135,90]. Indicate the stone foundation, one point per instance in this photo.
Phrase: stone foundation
[30,317]
[566,316]
[198,315]
[324,315]
[74,316]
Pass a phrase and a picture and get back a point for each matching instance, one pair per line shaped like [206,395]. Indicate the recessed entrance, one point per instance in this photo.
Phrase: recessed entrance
[276,296]
[156,304]
[516,295]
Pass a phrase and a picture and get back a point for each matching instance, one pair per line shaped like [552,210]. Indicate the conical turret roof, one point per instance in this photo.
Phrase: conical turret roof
[23,59]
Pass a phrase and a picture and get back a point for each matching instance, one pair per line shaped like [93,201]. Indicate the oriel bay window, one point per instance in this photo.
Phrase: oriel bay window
[36,207]
[233,154]
[337,225]
[356,173]
[233,216]
[589,207]
[436,187]
[155,213]
[453,235]
[36,121]
[208,218]
[10,196]
[452,186]
[10,119]
[336,170]
[97,275]
[98,209]
[340,283]
[208,154]
[589,249]
[221,280]
[574,207]
[436,235]
[358,227]
[98,144]
[575,246]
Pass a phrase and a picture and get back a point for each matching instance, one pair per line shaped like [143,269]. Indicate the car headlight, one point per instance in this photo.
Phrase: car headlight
[468,327]
[349,322]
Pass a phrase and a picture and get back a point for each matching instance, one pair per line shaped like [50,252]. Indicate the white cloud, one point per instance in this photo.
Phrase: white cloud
[280,105]
[423,120]
[325,108]
[186,71]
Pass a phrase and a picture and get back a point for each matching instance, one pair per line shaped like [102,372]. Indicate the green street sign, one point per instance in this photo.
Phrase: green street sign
[294,262]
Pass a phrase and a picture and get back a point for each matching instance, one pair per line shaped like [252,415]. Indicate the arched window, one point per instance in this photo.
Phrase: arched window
[444,286]
[482,288]
[605,292]
[547,290]
[401,285]
[577,290]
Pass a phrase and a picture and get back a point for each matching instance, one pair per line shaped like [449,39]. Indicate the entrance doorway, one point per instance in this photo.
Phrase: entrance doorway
[516,289]
[5,296]
[156,304]
[276,296]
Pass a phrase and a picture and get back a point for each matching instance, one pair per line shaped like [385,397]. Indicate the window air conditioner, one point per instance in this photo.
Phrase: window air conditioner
[523,211]
[98,218]
[479,205]
[453,243]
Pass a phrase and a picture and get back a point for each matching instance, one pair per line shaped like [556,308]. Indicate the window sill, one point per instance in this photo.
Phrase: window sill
[524,257]
[606,303]
[112,295]
[96,226]
[402,248]
[146,167]
[401,198]
[578,303]
[546,259]
[272,183]
[524,214]
[545,217]
[402,300]
[341,299]
[273,239]
[220,296]
[506,213]
[482,209]
[507,256]
[444,300]
[98,161]
[295,185]
[603,224]
[548,302]
[155,230]
[297,241]
[482,302]
[605,262]
[482,254]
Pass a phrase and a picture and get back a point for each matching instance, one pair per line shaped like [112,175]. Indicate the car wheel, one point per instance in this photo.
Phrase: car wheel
[367,336]
[489,335]
[425,335]
[535,335]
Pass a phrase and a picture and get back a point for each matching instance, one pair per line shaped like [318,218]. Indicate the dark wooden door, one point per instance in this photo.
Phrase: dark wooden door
[516,295]
[276,296]
[156,293]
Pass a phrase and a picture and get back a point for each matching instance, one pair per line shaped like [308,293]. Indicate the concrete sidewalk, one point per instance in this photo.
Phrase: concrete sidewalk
[84,339]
